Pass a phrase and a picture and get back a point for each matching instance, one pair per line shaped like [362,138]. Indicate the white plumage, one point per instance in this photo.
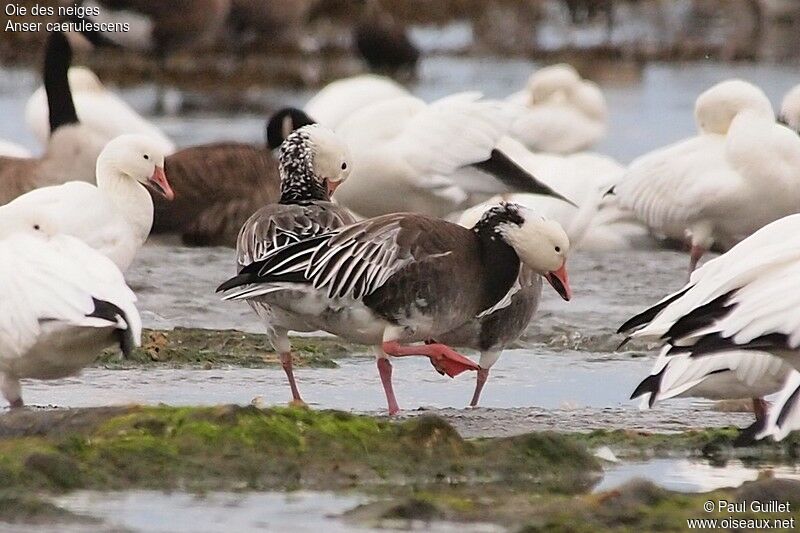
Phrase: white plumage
[562,113]
[9,149]
[98,109]
[342,98]
[738,174]
[406,152]
[62,303]
[114,217]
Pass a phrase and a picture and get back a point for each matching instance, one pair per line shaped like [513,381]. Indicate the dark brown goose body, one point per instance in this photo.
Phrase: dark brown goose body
[217,188]
[383,42]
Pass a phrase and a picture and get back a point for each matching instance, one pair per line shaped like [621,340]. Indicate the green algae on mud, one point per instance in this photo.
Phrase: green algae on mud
[635,506]
[206,348]
[231,448]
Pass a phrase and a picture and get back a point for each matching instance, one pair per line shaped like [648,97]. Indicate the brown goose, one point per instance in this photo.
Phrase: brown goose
[313,162]
[219,185]
[403,277]
[72,149]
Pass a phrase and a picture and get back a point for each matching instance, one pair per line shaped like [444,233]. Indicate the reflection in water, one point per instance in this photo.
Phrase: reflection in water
[686,475]
[216,511]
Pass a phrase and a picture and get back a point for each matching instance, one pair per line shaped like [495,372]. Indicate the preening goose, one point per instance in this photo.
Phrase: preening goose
[97,108]
[313,163]
[63,303]
[746,299]
[342,98]
[403,277]
[412,156]
[219,185]
[717,188]
[115,216]
[9,149]
[563,113]
[72,148]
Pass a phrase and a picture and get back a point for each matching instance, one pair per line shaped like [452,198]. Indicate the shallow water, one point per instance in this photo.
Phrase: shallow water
[685,475]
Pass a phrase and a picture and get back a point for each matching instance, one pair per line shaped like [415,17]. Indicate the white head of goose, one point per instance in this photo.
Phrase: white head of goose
[405,277]
[115,216]
[313,162]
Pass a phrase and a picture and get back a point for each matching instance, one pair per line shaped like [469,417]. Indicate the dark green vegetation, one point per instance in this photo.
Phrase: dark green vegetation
[419,468]
[205,348]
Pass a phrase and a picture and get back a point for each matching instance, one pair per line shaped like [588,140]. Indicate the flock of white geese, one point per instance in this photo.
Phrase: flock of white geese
[414,227]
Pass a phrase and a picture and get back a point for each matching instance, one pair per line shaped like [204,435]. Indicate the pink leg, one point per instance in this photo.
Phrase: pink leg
[443,357]
[286,363]
[483,374]
[759,408]
[16,404]
[385,370]
[694,257]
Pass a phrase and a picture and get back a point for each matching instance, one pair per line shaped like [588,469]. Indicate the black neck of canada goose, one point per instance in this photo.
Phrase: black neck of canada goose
[502,261]
[283,122]
[57,59]
[299,184]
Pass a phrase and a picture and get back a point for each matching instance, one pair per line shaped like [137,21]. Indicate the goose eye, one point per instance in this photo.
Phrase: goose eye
[146,156]
[558,249]
[344,166]
[36,227]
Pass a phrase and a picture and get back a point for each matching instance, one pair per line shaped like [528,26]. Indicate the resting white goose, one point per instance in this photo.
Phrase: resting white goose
[407,154]
[583,178]
[746,299]
[98,109]
[563,113]
[400,278]
[9,149]
[113,217]
[717,188]
[62,304]
[341,98]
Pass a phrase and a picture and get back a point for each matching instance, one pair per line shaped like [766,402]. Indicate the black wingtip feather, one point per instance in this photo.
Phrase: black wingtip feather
[651,384]
[236,281]
[747,436]
[649,314]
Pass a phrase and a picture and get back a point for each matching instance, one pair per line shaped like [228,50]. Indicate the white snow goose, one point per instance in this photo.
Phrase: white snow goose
[429,158]
[738,174]
[62,304]
[400,278]
[342,98]
[563,113]
[746,299]
[97,108]
[219,185]
[313,163]
[113,217]
[72,148]
[10,149]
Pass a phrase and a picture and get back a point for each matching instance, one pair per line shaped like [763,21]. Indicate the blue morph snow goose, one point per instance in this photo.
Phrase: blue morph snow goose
[400,278]
[313,162]
[746,299]
[63,303]
[738,174]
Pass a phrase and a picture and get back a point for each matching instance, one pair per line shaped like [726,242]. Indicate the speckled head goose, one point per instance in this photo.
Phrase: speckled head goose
[62,304]
[738,174]
[404,277]
[219,185]
[116,215]
[412,156]
[72,148]
[313,162]
[745,299]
